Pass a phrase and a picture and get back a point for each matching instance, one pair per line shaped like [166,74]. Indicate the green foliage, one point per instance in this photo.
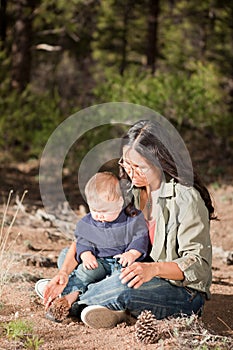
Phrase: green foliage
[73,23]
[17,329]
[120,34]
[33,342]
[91,139]
[27,120]
[23,331]
[192,95]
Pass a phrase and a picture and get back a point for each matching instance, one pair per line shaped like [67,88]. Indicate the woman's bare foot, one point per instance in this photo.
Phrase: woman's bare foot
[58,310]
[71,298]
[60,307]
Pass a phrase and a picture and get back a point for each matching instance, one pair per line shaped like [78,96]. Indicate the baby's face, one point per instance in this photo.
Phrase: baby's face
[106,211]
[104,216]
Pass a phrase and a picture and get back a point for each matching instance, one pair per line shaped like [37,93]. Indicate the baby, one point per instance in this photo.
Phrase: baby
[107,239]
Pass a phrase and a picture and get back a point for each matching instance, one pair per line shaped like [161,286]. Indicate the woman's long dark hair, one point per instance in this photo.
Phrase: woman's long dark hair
[156,144]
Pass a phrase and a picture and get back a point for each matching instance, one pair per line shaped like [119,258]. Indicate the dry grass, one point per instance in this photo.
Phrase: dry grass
[7,260]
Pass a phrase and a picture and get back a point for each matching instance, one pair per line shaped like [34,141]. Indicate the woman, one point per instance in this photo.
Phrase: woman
[178,208]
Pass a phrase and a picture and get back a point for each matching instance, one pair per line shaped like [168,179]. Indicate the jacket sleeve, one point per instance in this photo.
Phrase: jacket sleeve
[194,245]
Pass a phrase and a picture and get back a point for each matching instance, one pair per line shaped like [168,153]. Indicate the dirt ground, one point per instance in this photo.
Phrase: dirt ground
[35,252]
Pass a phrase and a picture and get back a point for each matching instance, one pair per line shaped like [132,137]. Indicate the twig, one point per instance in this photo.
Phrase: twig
[4,214]
[14,217]
[230,329]
[47,47]
[4,235]
[204,335]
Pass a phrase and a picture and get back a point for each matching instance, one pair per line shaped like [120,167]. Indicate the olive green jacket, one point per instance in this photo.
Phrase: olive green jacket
[182,234]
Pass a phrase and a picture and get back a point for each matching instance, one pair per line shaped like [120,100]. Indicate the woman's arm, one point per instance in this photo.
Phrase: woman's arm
[59,282]
[70,262]
[138,273]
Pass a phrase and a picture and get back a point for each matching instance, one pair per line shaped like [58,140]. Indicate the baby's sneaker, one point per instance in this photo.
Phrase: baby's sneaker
[40,286]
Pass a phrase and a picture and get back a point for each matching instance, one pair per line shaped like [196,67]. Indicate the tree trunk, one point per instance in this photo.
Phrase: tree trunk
[152,37]
[3,24]
[127,10]
[231,65]
[21,47]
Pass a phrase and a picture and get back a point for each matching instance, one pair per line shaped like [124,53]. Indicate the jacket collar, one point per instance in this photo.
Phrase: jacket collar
[167,189]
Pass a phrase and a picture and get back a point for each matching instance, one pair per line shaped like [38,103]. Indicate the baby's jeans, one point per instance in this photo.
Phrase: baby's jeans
[80,278]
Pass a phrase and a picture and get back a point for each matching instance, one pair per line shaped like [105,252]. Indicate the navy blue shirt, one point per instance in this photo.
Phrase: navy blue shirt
[105,239]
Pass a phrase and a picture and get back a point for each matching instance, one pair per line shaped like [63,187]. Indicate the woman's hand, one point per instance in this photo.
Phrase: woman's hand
[138,273]
[55,287]
[89,260]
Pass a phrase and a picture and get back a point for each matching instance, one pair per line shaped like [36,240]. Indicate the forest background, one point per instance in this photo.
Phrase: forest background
[58,57]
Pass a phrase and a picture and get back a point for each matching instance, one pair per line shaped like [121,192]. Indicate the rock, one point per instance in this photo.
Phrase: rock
[229,259]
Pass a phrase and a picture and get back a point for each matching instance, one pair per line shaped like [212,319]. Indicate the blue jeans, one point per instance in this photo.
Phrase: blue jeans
[80,278]
[158,295]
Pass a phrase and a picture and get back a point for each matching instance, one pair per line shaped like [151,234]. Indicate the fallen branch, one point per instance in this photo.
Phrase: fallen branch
[47,47]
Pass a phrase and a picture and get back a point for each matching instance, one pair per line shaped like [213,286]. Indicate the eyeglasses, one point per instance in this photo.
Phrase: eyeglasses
[141,171]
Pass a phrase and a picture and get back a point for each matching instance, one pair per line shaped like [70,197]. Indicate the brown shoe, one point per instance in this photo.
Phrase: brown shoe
[96,316]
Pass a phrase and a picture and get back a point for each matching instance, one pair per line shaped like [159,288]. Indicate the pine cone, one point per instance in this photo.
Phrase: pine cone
[147,328]
[59,309]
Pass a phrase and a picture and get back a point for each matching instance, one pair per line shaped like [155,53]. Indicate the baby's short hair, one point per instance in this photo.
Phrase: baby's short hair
[103,186]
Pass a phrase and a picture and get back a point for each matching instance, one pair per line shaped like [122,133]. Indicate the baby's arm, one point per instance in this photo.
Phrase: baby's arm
[89,260]
[127,258]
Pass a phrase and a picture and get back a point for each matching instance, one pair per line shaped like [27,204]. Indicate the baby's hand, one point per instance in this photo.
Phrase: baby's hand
[127,258]
[89,260]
